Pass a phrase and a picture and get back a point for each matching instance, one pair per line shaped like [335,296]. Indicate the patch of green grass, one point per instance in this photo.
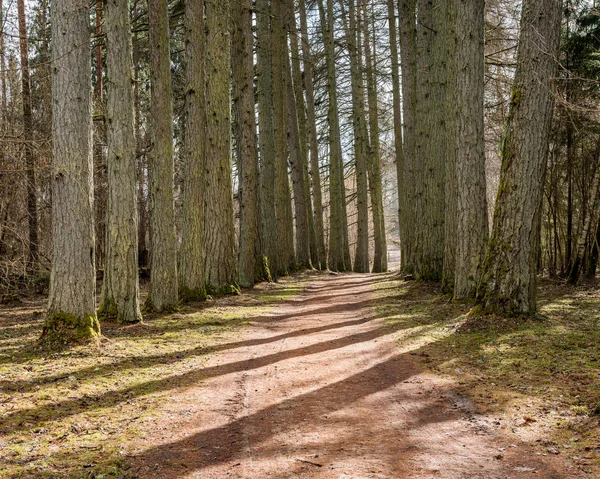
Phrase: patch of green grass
[74,413]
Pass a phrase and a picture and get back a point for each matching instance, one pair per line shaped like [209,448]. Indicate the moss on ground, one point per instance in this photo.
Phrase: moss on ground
[76,413]
[544,368]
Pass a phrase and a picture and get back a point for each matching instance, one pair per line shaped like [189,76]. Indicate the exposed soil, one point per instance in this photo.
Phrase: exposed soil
[320,388]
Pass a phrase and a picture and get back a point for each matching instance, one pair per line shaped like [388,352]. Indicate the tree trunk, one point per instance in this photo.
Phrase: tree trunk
[120,289]
[283,202]
[305,205]
[219,234]
[361,258]
[242,64]
[509,281]
[431,142]
[32,258]
[321,257]
[407,36]
[266,135]
[451,110]
[339,251]
[163,262]
[191,255]
[374,157]
[472,226]
[398,146]
[71,313]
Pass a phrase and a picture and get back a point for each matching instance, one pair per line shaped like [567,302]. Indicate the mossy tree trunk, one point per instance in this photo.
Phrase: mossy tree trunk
[509,277]
[120,289]
[163,264]
[220,260]
[72,301]
[266,136]
[242,65]
[472,215]
[191,254]
[319,254]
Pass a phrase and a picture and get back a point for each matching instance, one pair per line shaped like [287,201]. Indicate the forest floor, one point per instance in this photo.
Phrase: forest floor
[318,376]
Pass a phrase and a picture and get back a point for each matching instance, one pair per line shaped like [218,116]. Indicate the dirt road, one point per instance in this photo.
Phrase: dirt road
[320,389]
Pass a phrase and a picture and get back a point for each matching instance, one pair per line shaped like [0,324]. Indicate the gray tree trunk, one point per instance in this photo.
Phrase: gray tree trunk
[374,157]
[32,220]
[120,289]
[431,135]
[163,264]
[509,283]
[191,255]
[320,261]
[472,216]
[339,251]
[242,64]
[71,313]
[219,234]
[266,135]
[361,258]
[398,146]
[407,36]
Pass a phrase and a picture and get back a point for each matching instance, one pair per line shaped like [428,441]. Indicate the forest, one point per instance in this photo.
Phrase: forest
[299,238]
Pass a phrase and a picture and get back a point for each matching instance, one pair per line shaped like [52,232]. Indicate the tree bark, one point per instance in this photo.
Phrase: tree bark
[321,257]
[339,251]
[509,281]
[407,36]
[191,255]
[162,295]
[361,258]
[219,234]
[286,261]
[32,220]
[398,146]
[374,157]
[472,227]
[242,64]
[120,289]
[71,313]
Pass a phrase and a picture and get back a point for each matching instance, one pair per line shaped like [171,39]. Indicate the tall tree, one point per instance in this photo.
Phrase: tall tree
[339,250]
[32,259]
[469,143]
[242,63]
[319,253]
[407,37]
[283,202]
[298,141]
[191,255]
[397,106]
[266,136]
[220,260]
[361,145]
[509,276]
[120,289]
[71,313]
[431,141]
[374,157]
[163,263]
